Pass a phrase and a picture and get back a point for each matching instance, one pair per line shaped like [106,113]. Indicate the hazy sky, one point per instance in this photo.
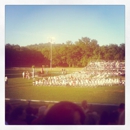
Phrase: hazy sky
[30,24]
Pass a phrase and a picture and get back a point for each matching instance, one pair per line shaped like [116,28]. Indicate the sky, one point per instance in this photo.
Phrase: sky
[34,24]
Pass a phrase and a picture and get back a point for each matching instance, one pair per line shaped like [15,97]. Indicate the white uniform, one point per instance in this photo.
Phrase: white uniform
[6,79]
[23,74]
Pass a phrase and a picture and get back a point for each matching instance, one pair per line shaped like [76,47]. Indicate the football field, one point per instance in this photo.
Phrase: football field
[19,88]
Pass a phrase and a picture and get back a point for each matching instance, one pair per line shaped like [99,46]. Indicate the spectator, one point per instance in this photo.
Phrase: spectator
[92,118]
[113,118]
[35,112]
[29,115]
[104,119]
[118,116]
[8,110]
[18,116]
[65,113]
[41,116]
[121,120]
[121,110]
[85,107]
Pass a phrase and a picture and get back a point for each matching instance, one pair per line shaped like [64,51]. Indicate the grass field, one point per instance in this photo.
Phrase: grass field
[19,88]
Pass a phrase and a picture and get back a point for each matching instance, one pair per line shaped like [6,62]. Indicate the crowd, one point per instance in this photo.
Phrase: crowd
[94,74]
[112,68]
[27,74]
[77,80]
[63,113]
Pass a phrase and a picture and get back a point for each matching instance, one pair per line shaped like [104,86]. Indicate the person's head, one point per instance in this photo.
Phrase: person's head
[121,107]
[18,113]
[41,110]
[65,113]
[84,104]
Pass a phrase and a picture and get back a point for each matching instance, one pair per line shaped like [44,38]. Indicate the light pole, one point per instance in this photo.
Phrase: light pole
[51,39]
[51,55]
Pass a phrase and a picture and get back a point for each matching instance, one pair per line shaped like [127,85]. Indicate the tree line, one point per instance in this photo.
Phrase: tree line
[68,54]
